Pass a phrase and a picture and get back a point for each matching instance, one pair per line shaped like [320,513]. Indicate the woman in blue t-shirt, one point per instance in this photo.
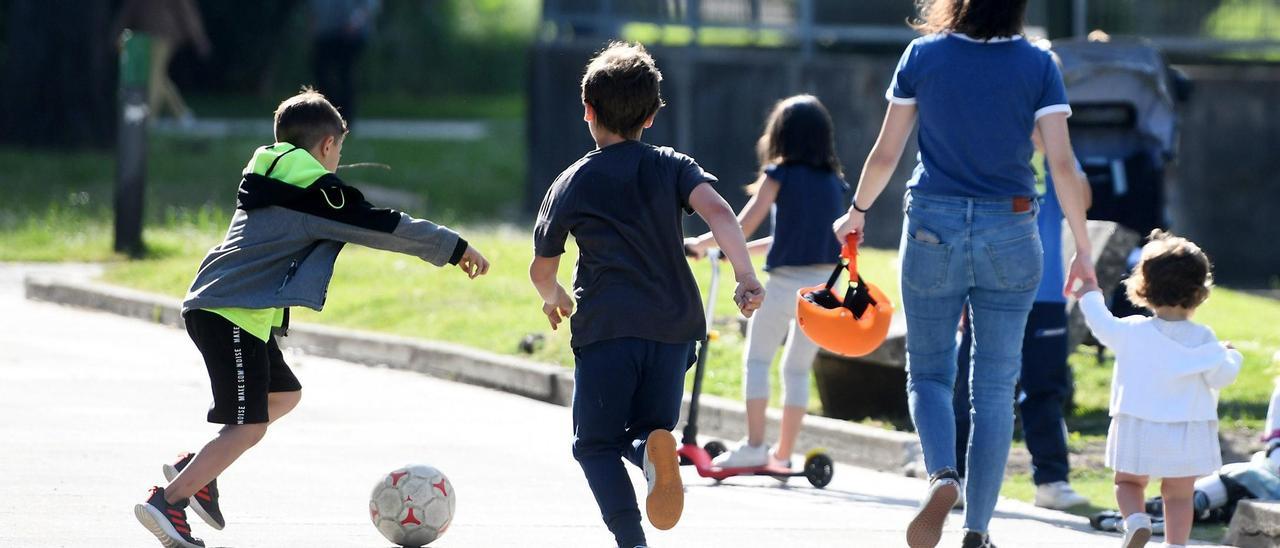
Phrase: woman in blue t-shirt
[978,89]
[802,184]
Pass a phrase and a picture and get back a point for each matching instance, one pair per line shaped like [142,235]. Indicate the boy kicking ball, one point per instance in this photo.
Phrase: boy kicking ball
[293,215]
[639,313]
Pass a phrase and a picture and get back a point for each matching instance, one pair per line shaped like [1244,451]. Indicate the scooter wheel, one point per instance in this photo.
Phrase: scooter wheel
[818,469]
[715,449]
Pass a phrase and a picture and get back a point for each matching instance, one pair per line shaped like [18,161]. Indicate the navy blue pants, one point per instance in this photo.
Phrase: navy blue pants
[1044,389]
[623,390]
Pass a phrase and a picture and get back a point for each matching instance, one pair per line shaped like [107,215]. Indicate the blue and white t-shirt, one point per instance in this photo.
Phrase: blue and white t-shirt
[978,103]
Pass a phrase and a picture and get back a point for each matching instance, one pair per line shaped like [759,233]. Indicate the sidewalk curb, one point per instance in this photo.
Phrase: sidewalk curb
[847,442]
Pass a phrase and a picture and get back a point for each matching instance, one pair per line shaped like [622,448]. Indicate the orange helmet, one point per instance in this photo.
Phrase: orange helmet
[853,326]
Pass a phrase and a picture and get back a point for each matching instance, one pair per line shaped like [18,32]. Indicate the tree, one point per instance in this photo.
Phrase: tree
[57,86]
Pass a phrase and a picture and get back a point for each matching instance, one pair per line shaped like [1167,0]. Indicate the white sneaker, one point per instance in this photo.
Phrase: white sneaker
[960,499]
[1137,530]
[745,456]
[1058,496]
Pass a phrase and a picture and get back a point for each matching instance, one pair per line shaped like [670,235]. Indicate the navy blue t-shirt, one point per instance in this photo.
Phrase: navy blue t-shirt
[978,103]
[624,205]
[809,200]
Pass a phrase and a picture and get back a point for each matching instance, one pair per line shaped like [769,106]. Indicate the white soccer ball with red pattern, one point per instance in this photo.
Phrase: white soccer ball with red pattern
[413,505]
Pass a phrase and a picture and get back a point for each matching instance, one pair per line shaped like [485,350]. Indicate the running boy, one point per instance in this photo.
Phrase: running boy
[292,217]
[639,313]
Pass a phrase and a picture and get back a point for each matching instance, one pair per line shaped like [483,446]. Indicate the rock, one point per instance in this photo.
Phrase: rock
[1256,524]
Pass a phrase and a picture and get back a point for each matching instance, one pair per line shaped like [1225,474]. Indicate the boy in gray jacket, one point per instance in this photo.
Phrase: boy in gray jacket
[292,217]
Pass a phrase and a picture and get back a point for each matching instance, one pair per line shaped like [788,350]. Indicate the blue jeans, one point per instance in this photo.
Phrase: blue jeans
[1045,388]
[623,390]
[984,252]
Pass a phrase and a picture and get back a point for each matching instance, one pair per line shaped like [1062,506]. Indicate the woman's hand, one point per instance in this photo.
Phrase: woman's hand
[1081,274]
[851,222]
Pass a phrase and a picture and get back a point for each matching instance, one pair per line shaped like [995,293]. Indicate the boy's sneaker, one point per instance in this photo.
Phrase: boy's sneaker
[205,501]
[168,522]
[925,529]
[977,540]
[666,491]
[1137,530]
[1058,496]
[744,456]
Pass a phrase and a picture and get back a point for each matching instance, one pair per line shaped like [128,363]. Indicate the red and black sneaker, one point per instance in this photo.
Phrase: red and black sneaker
[168,522]
[205,501]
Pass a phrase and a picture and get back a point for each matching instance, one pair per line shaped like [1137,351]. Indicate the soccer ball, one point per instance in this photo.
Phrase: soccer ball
[413,505]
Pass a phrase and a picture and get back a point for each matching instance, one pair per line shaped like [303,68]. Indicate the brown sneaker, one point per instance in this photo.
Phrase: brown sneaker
[925,530]
[666,491]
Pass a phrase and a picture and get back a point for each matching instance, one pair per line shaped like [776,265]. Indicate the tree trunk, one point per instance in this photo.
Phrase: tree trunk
[57,88]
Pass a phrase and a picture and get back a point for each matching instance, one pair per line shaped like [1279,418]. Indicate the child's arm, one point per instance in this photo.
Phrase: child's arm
[761,246]
[1226,372]
[898,123]
[728,234]
[1106,327]
[750,218]
[347,217]
[556,302]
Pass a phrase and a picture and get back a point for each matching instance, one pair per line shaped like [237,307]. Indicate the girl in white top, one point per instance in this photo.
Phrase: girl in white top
[1164,390]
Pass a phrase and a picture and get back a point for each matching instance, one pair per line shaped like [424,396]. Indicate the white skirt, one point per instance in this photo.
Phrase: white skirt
[1163,449]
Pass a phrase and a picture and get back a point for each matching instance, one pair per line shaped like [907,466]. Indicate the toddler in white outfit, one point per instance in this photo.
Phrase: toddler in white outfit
[1164,390]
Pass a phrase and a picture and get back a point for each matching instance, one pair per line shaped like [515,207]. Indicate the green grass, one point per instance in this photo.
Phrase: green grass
[379,291]
[58,204]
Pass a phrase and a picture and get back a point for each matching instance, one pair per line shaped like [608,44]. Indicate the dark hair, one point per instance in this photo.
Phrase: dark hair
[799,131]
[624,87]
[1173,271]
[305,119]
[978,19]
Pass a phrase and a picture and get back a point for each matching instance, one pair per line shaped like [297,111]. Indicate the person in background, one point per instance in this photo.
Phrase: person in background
[171,24]
[801,183]
[339,31]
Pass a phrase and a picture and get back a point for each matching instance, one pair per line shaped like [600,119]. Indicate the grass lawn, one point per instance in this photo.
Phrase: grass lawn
[384,292]
[61,209]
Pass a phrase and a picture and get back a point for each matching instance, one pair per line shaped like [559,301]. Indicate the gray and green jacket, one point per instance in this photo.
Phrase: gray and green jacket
[292,218]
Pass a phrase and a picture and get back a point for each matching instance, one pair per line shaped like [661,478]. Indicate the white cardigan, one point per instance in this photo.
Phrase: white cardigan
[1156,378]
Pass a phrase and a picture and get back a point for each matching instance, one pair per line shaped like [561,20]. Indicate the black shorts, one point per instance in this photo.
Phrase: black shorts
[242,368]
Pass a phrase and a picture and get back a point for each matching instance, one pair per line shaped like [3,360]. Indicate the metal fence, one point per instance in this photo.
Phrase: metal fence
[1180,27]
[807,24]
[1191,27]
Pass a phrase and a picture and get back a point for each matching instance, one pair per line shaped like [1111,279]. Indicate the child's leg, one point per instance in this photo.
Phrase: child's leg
[605,379]
[231,442]
[252,387]
[765,331]
[797,361]
[1177,493]
[658,394]
[1130,493]
[654,412]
